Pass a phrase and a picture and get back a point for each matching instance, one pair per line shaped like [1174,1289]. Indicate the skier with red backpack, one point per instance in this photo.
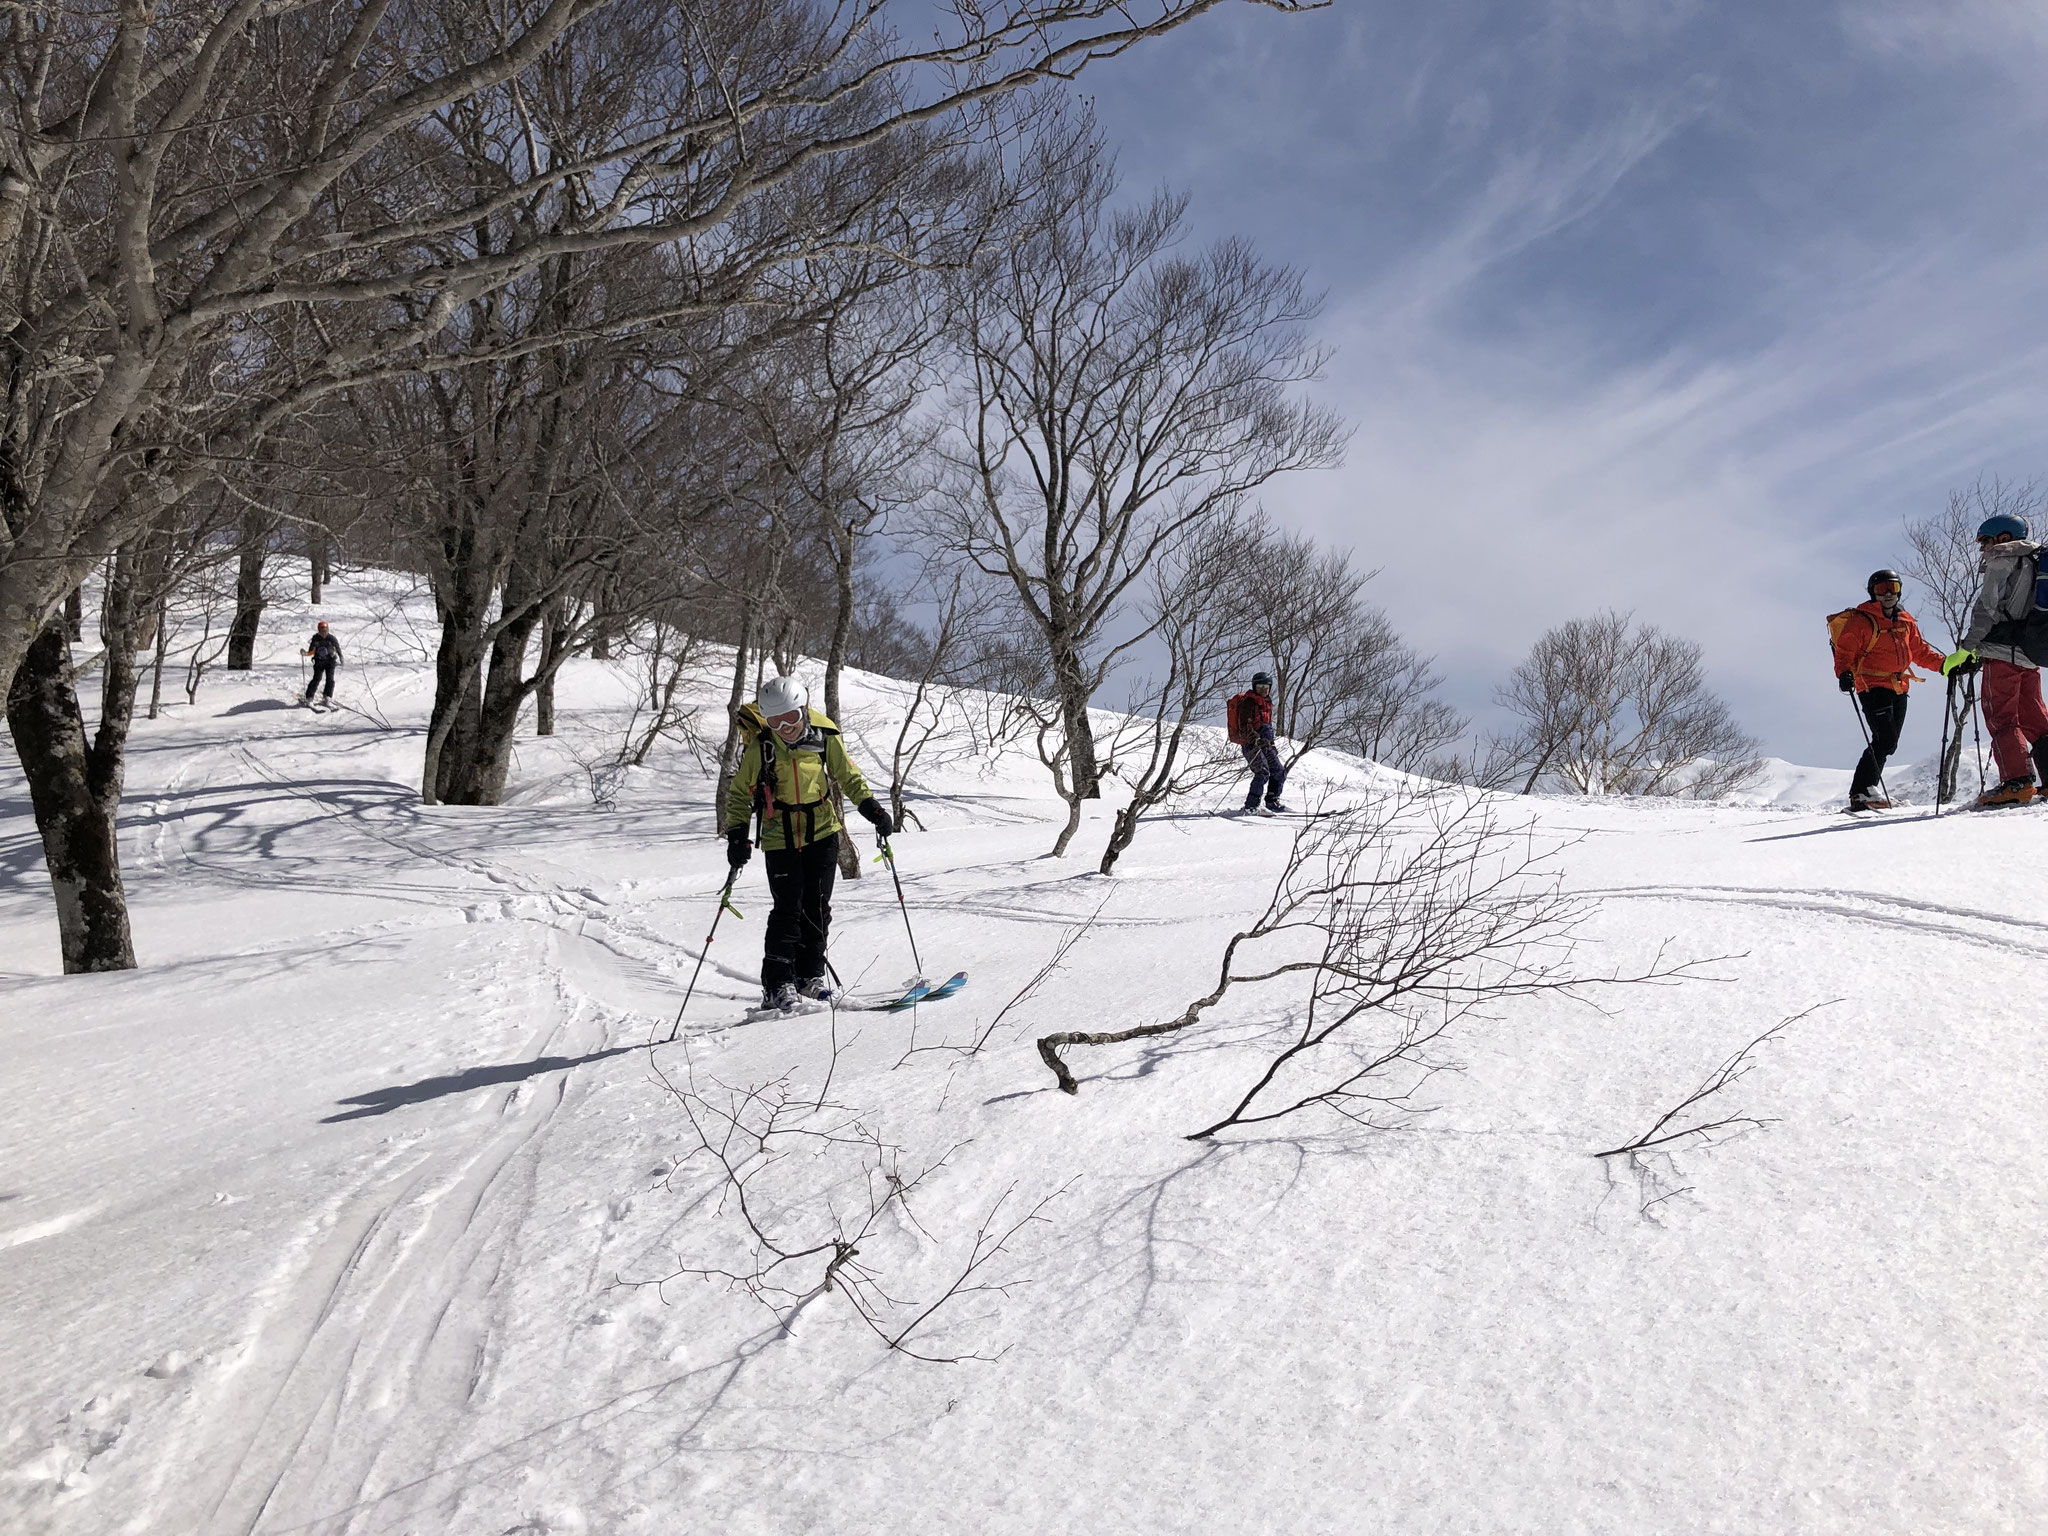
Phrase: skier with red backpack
[2006,638]
[1877,645]
[1251,729]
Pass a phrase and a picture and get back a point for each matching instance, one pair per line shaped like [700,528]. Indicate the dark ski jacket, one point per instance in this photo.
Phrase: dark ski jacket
[325,648]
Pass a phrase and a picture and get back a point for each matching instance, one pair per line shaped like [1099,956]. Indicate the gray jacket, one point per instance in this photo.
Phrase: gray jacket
[2007,593]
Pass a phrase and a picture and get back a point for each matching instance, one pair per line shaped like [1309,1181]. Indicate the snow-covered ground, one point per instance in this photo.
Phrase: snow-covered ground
[334,1216]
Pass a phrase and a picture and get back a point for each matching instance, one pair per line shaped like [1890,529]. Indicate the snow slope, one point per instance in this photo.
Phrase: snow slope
[328,1219]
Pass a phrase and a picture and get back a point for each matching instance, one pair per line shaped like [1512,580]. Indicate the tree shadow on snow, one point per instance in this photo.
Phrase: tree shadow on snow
[381,1101]
[256,707]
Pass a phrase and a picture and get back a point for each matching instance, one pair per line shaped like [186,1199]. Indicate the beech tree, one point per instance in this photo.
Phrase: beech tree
[1205,617]
[1342,675]
[1113,395]
[215,214]
[1613,707]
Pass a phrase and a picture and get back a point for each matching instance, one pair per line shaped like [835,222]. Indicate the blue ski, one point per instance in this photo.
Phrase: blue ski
[918,992]
[928,993]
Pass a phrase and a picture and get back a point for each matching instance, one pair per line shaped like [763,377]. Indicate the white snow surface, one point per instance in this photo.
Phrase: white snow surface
[329,1217]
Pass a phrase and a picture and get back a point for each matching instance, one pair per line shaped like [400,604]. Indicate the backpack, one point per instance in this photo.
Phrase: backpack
[2028,635]
[1237,723]
[754,727]
[1838,621]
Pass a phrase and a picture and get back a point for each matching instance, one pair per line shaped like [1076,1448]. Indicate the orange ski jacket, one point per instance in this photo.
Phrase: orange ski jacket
[1882,649]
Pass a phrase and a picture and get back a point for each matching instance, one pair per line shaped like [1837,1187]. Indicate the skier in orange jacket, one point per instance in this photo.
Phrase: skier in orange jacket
[1876,649]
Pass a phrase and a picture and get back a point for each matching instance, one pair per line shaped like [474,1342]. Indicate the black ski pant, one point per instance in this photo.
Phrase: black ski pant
[800,880]
[1886,712]
[1269,775]
[322,669]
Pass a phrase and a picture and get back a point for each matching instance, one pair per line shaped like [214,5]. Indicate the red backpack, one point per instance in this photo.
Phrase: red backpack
[1244,710]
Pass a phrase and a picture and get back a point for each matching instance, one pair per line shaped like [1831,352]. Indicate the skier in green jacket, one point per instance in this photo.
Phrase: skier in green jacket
[793,759]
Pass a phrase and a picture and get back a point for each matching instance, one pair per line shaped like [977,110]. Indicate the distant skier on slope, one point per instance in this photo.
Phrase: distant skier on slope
[326,653]
[793,758]
[2013,711]
[1251,727]
[1877,645]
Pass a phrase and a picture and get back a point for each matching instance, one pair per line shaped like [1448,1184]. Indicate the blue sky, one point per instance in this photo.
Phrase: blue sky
[1677,308]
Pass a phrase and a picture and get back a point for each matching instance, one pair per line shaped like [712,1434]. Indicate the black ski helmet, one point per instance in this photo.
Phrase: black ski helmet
[1870,586]
[1262,677]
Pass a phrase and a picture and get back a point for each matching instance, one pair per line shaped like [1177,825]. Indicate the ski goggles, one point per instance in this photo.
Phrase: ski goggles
[1886,589]
[793,720]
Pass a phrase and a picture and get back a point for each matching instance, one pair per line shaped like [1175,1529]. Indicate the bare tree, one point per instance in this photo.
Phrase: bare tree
[1610,706]
[154,228]
[1113,394]
[1943,558]
[1342,676]
[1206,618]
[842,429]
[75,775]
[216,216]
[924,715]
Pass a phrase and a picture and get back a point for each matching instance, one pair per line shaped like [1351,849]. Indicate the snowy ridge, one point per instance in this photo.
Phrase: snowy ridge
[342,1213]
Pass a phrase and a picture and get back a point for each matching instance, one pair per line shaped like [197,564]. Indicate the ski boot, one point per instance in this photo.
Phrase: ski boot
[2011,792]
[783,999]
[1871,802]
[816,988]
[1275,808]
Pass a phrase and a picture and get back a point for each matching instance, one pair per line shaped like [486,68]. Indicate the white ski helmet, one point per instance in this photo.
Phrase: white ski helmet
[779,695]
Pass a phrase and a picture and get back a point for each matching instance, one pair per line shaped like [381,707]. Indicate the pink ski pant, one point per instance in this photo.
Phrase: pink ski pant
[2014,715]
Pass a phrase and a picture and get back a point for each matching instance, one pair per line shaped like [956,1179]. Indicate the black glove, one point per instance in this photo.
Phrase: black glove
[872,809]
[1847,681]
[737,849]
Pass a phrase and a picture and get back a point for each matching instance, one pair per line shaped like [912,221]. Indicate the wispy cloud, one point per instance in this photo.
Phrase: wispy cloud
[1671,308]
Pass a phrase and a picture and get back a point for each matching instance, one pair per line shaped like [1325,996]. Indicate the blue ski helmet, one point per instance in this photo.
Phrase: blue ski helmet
[2005,522]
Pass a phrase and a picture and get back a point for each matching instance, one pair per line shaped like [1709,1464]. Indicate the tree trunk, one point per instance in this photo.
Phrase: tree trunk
[74,615]
[162,639]
[1059,847]
[248,596]
[835,660]
[729,755]
[551,642]
[478,777]
[317,558]
[452,721]
[75,792]
[1070,678]
[1121,832]
[544,706]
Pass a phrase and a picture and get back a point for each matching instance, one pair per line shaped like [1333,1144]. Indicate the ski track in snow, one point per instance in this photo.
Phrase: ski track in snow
[316,1224]
[1991,929]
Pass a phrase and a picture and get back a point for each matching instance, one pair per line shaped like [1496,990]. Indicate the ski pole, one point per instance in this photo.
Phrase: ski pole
[1948,715]
[1869,746]
[1977,731]
[724,906]
[889,858]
